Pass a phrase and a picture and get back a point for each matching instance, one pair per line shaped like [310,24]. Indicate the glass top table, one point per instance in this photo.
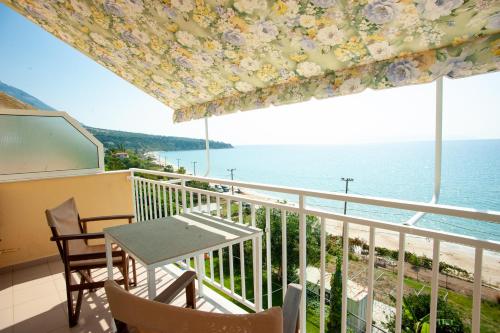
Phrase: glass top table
[163,241]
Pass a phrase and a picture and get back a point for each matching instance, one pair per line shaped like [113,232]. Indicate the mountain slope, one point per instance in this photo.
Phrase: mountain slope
[24,97]
[147,142]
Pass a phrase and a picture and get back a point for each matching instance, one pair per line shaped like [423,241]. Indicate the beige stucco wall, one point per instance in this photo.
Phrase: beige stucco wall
[23,226]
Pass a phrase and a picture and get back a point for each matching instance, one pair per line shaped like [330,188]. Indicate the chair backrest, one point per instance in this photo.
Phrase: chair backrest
[146,316]
[63,220]
[291,307]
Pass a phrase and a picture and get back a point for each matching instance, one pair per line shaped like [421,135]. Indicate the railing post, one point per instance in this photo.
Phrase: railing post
[371,269]
[269,274]
[191,201]
[400,283]
[231,269]
[284,259]
[150,203]
[322,277]
[134,194]
[434,286]
[242,271]
[345,274]
[476,295]
[258,274]
[184,197]
[257,264]
[302,262]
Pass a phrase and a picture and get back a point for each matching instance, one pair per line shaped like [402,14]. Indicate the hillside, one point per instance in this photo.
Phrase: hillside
[145,142]
[24,97]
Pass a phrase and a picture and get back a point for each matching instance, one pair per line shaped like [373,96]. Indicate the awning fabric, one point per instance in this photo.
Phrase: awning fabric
[205,58]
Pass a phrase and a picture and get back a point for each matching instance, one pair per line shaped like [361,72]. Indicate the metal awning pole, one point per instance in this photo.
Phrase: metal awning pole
[207,148]
[438,149]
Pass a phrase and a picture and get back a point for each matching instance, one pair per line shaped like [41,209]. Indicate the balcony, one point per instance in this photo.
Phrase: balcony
[377,269]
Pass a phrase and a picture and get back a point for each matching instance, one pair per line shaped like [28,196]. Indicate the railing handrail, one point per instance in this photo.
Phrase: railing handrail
[464,212]
[380,224]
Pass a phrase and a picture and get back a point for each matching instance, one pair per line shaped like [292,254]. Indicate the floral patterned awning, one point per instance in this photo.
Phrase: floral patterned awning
[210,57]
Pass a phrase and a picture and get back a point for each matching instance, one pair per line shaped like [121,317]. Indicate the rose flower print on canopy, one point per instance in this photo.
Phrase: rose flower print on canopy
[205,58]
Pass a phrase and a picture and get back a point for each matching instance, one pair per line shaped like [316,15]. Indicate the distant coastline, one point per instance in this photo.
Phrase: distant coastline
[144,143]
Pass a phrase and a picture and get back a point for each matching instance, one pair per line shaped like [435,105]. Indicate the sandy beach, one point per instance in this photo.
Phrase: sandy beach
[453,254]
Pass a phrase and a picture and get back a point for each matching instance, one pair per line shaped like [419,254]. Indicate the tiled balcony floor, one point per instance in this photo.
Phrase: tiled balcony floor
[34,300]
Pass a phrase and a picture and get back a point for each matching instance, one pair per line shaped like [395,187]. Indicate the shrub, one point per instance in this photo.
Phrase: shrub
[416,313]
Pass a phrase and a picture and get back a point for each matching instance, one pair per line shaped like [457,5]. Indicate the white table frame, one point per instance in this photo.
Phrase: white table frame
[198,255]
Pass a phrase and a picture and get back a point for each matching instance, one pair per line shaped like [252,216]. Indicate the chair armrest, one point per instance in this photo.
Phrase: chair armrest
[105,218]
[176,287]
[94,235]
[291,307]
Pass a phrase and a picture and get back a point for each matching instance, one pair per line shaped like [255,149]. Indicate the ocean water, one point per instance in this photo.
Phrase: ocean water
[470,175]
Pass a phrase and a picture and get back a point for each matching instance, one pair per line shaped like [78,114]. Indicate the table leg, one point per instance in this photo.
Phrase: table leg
[200,273]
[109,258]
[151,283]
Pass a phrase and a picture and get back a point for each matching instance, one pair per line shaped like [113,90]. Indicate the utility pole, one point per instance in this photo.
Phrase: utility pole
[178,164]
[232,178]
[194,168]
[346,180]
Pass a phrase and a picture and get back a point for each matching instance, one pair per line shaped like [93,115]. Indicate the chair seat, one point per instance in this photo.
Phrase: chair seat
[95,249]
[94,263]
[99,250]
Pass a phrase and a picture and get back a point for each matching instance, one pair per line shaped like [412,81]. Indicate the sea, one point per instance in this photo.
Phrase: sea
[470,176]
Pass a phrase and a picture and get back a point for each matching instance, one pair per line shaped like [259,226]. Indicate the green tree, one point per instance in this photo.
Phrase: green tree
[416,314]
[312,241]
[133,161]
[168,168]
[121,147]
[181,170]
[335,315]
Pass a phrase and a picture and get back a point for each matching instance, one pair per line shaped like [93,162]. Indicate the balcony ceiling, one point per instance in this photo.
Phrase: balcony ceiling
[204,58]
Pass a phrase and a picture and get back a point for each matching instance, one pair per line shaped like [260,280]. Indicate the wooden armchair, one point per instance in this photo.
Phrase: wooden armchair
[136,314]
[69,231]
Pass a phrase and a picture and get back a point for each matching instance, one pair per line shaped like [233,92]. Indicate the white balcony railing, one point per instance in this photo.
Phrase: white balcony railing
[155,198]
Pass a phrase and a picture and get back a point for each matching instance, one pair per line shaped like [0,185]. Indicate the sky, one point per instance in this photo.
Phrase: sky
[33,60]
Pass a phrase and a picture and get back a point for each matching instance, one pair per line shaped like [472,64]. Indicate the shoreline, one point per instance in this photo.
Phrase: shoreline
[451,253]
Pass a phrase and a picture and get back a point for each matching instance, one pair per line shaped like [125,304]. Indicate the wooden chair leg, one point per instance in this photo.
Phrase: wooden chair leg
[191,296]
[134,272]
[73,313]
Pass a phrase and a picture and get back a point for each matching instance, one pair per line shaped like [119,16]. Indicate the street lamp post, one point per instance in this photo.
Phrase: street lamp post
[346,180]
[232,178]
[194,167]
